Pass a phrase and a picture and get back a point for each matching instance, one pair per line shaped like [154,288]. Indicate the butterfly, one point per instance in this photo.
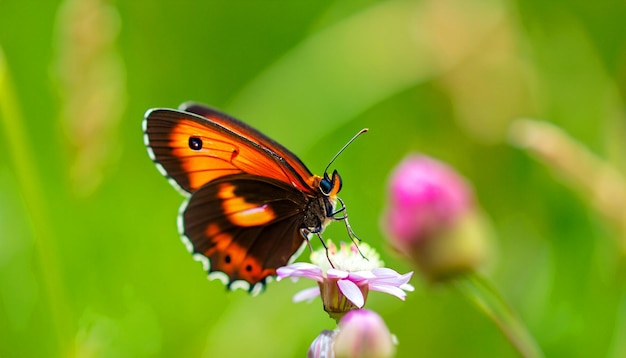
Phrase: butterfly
[251,203]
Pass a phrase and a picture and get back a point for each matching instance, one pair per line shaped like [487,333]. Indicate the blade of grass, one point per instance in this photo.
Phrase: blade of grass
[480,292]
[26,174]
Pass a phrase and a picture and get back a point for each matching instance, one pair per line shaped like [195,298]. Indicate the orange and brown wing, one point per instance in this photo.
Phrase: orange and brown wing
[249,133]
[194,150]
[243,227]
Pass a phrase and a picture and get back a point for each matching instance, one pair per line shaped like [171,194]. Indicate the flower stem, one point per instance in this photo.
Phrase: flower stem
[480,292]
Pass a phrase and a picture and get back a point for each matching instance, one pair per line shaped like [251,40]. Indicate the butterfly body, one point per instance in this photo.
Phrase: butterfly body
[251,202]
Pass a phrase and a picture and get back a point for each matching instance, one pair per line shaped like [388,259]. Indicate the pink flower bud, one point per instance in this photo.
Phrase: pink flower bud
[363,333]
[431,217]
[426,196]
[322,346]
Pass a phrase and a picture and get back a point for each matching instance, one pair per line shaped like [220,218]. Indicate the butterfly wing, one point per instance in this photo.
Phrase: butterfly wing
[247,132]
[193,150]
[249,197]
[243,227]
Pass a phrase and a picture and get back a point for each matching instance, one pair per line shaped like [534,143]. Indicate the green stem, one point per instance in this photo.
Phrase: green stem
[617,348]
[26,174]
[480,292]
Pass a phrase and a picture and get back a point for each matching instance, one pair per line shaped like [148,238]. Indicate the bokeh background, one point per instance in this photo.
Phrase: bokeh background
[90,260]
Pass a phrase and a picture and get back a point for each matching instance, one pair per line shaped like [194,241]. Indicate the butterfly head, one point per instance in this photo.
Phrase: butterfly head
[330,185]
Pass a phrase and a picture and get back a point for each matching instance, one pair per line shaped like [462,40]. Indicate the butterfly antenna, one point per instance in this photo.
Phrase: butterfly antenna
[344,147]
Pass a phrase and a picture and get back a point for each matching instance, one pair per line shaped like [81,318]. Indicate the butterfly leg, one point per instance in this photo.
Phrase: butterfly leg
[306,233]
[351,234]
[326,248]
[342,209]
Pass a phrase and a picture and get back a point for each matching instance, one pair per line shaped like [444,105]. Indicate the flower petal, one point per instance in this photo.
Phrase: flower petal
[392,290]
[301,269]
[352,292]
[388,276]
[385,272]
[306,294]
[334,273]
[362,275]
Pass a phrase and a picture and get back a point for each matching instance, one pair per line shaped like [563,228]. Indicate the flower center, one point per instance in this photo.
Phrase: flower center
[347,257]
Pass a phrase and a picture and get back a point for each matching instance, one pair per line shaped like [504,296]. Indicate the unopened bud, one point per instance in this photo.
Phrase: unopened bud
[431,218]
[363,333]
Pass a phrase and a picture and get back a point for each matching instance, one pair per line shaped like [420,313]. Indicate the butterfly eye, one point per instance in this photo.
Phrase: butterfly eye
[325,185]
[330,186]
[195,143]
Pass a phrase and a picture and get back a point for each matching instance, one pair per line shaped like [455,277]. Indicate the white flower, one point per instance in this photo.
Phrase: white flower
[344,282]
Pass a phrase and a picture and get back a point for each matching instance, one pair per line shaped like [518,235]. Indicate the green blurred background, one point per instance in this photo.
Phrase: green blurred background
[90,260]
